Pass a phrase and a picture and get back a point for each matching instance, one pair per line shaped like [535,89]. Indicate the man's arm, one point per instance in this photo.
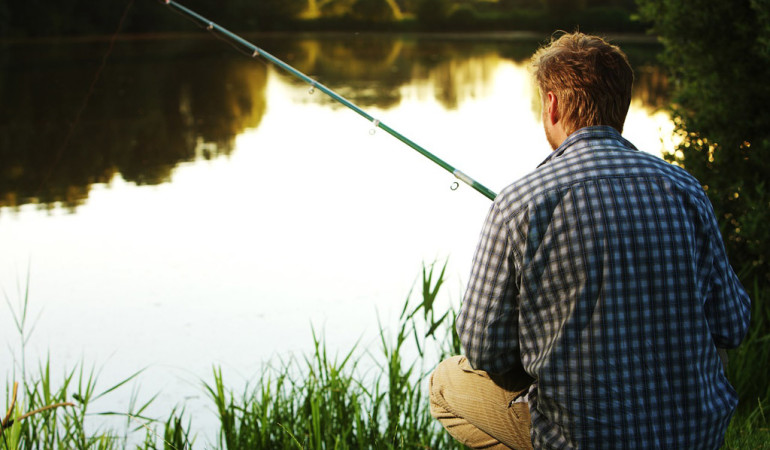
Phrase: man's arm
[728,307]
[488,319]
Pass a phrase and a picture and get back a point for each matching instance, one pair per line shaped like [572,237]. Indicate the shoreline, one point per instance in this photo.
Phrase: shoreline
[634,38]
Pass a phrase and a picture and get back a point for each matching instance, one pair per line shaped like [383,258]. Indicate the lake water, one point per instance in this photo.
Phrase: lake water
[195,208]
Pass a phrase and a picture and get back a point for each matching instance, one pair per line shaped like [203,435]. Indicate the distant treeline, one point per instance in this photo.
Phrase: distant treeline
[39,18]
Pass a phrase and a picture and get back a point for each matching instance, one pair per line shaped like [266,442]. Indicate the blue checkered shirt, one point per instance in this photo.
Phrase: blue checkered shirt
[603,274]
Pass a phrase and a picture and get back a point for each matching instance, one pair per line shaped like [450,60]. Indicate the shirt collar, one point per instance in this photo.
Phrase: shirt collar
[593,132]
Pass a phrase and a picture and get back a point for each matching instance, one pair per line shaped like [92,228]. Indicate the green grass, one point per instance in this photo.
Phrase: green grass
[43,413]
[749,430]
[748,373]
[361,398]
[323,402]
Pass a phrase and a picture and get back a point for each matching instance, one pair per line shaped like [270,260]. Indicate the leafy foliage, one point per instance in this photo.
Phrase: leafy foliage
[432,12]
[372,10]
[718,56]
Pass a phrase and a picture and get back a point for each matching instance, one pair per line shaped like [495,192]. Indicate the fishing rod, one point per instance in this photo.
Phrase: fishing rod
[258,52]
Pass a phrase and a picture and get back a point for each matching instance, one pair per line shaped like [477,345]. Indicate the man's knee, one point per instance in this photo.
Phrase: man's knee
[474,409]
[444,370]
[439,380]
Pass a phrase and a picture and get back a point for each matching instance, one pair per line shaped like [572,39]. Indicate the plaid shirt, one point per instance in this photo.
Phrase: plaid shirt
[604,274]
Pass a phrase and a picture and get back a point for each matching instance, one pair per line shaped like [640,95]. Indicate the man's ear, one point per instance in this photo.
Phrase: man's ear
[552,108]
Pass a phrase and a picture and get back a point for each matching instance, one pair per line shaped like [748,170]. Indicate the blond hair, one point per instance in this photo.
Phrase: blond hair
[591,79]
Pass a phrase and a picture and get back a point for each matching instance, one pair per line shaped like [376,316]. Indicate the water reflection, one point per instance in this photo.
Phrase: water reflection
[162,102]
[156,104]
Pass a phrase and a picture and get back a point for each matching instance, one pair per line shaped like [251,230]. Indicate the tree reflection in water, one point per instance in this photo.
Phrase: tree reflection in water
[162,102]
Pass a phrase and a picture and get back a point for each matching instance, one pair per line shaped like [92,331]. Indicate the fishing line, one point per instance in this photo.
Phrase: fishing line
[89,93]
[252,50]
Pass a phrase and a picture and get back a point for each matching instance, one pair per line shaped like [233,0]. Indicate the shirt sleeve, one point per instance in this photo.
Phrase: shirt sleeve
[727,307]
[488,320]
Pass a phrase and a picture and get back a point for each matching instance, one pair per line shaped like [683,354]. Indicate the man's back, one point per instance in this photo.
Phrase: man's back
[610,260]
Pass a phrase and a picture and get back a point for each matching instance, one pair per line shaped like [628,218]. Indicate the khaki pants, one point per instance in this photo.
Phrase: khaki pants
[478,409]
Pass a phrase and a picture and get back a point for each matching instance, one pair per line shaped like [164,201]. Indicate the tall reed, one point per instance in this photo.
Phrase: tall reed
[748,371]
[45,414]
[325,403]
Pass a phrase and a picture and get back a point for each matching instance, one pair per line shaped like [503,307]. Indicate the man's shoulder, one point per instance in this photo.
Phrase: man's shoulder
[588,159]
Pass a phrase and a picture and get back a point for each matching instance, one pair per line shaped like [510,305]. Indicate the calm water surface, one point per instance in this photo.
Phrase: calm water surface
[200,208]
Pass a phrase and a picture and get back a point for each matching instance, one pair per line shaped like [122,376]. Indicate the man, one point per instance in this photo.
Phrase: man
[600,290]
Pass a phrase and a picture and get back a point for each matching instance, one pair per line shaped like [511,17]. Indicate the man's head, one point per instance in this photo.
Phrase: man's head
[583,81]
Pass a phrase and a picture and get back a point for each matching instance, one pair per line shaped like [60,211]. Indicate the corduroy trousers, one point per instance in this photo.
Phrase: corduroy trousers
[480,410]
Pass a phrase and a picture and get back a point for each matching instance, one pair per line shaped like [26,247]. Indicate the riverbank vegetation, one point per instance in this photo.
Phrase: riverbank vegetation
[38,18]
[365,398]
[361,399]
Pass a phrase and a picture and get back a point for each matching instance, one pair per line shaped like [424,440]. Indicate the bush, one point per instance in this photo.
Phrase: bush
[463,16]
[431,13]
[372,11]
